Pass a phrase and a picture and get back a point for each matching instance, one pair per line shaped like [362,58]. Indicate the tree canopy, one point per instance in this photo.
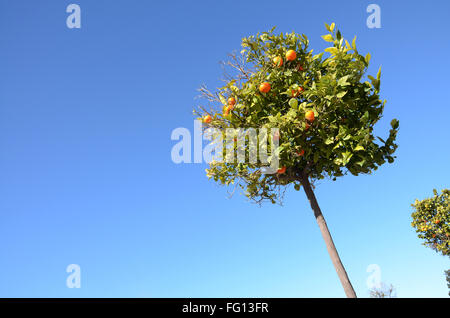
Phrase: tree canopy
[323,104]
[431,219]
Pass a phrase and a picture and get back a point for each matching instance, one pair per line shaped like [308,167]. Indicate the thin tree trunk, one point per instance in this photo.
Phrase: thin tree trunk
[345,281]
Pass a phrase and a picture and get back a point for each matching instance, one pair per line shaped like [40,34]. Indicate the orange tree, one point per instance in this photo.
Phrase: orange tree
[324,106]
[431,219]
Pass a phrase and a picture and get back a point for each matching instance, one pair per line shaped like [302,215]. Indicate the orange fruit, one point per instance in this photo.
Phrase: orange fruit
[309,115]
[291,55]
[231,101]
[278,61]
[295,93]
[264,87]
[437,221]
[227,110]
[281,170]
[301,153]
[207,119]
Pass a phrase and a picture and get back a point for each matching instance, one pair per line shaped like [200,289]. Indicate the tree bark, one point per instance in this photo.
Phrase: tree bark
[332,251]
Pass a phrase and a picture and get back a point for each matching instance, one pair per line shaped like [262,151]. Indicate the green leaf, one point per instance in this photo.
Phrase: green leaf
[394,123]
[328,37]
[332,50]
[293,102]
[361,163]
[359,148]
[341,94]
[365,117]
[222,99]
[347,45]
[375,82]
[332,27]
[318,56]
[354,43]
[346,156]
[343,81]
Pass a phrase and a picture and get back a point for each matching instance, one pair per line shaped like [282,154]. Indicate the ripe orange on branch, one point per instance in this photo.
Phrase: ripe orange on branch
[291,55]
[227,110]
[295,93]
[309,115]
[231,101]
[264,87]
[301,153]
[278,61]
[281,170]
[207,119]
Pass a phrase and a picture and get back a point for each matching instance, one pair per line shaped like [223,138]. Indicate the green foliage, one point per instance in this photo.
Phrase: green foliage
[345,103]
[431,219]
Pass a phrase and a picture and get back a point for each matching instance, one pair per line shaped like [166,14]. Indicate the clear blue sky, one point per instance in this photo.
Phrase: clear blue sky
[87,178]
